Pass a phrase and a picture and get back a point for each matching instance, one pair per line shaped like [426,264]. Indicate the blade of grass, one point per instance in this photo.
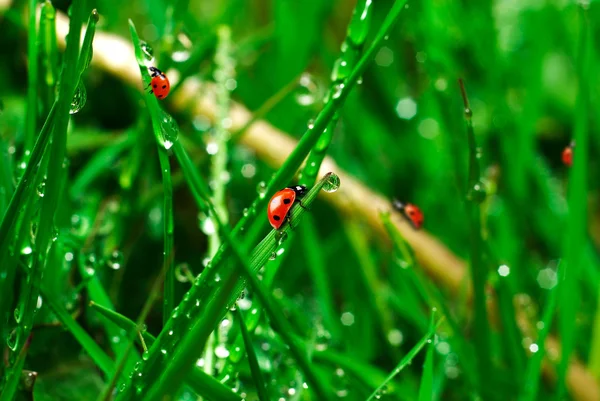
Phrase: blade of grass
[574,243]
[55,172]
[32,77]
[259,381]
[311,136]
[203,384]
[533,371]
[169,287]
[406,360]
[196,336]
[89,345]
[48,50]
[426,387]
[475,195]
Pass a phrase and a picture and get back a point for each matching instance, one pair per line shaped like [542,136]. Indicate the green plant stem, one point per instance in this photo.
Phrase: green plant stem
[475,196]
[574,243]
[259,381]
[32,77]
[169,288]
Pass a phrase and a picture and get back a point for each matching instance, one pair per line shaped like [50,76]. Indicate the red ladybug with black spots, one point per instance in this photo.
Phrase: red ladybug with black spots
[281,203]
[159,83]
[410,212]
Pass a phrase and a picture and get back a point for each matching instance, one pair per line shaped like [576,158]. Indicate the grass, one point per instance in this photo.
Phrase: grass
[136,261]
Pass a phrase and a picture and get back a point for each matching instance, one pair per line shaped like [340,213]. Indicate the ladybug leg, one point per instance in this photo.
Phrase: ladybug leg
[302,206]
[289,220]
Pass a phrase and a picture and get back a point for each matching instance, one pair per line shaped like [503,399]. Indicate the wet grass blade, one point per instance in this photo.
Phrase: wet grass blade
[203,384]
[32,77]
[478,269]
[426,387]
[259,381]
[406,360]
[533,371]
[99,357]
[574,243]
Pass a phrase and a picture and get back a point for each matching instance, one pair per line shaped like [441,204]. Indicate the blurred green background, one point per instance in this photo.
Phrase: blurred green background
[533,87]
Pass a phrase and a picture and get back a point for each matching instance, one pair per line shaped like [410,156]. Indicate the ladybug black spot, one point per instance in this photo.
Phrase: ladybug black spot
[276,218]
[287,201]
[155,86]
[159,96]
[164,86]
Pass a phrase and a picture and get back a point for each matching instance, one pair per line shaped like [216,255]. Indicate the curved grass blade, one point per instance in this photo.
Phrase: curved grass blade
[259,381]
[89,345]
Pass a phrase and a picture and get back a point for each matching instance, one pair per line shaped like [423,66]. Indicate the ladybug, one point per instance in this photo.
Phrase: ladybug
[410,212]
[281,203]
[567,154]
[160,83]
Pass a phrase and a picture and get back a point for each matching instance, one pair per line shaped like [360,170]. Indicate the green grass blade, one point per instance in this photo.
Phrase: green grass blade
[311,136]
[165,131]
[533,371]
[475,195]
[196,337]
[259,381]
[169,287]
[203,384]
[89,345]
[32,77]
[426,387]
[48,51]
[574,243]
[403,363]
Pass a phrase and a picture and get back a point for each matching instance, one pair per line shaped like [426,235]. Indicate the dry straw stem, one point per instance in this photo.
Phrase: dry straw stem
[116,56]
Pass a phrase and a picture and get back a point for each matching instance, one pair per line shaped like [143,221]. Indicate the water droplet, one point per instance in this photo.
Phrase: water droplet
[281,237]
[13,340]
[145,355]
[503,270]
[307,92]
[332,183]
[245,211]
[169,130]
[79,99]
[221,351]
[116,260]
[41,188]
[174,315]
[147,51]
[337,90]
[54,234]
[273,256]
[311,123]
[212,148]
[406,108]
[207,226]
[181,272]
[395,337]
[261,188]
[17,315]
[27,250]
[477,193]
